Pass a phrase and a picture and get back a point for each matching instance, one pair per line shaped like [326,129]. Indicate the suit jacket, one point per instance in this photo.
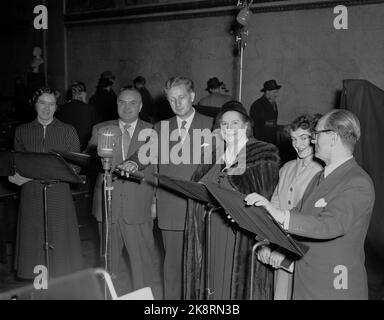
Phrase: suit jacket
[82,116]
[332,219]
[262,111]
[171,208]
[131,200]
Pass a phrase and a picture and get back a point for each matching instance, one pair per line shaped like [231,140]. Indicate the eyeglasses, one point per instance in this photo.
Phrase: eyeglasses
[315,133]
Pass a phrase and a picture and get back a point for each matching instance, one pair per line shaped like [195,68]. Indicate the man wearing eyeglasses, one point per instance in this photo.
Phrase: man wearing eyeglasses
[333,216]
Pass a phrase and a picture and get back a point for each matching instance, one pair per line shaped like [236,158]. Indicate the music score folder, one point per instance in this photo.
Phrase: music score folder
[253,219]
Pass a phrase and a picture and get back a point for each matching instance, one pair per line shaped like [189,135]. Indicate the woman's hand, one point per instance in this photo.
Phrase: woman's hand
[18,179]
[256,200]
[263,254]
[276,258]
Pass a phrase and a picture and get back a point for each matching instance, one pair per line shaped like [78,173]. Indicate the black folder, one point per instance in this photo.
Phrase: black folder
[253,219]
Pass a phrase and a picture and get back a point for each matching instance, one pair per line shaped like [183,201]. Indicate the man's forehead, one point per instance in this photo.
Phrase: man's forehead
[129,96]
[177,90]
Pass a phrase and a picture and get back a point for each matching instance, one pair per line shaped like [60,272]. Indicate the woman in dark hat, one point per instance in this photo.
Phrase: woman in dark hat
[230,246]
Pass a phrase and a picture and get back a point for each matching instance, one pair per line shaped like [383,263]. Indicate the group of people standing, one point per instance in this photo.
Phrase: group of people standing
[331,217]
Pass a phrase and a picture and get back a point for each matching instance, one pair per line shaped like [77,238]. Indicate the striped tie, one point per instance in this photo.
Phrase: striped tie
[126,138]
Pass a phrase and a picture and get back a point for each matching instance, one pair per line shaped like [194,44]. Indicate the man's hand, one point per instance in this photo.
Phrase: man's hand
[18,179]
[263,254]
[276,258]
[127,167]
[259,201]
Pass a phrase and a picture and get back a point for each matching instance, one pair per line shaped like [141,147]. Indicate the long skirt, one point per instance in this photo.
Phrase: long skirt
[63,232]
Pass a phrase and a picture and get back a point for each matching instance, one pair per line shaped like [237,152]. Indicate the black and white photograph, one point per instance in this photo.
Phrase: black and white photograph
[193,154]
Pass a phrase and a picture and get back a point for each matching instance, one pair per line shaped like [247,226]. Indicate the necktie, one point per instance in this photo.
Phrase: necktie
[321,177]
[182,130]
[126,139]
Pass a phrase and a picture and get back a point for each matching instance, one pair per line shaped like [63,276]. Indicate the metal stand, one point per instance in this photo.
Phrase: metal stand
[208,215]
[254,248]
[107,222]
[46,245]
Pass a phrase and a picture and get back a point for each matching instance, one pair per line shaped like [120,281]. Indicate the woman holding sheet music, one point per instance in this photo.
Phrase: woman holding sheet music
[246,165]
[41,135]
[295,176]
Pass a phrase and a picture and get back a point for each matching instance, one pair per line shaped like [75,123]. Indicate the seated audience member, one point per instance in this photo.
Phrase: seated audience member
[333,216]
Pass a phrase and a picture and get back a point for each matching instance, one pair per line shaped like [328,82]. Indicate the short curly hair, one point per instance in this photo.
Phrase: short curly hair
[39,92]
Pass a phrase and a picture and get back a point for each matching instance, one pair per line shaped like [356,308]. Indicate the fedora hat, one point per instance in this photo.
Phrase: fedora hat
[213,83]
[270,85]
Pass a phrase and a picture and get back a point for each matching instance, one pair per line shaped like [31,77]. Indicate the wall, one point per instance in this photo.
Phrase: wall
[301,49]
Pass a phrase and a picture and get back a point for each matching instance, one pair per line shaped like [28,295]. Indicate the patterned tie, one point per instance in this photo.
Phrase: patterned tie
[182,132]
[126,138]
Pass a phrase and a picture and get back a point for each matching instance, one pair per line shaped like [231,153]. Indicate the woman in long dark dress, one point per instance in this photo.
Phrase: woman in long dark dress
[41,135]
[230,271]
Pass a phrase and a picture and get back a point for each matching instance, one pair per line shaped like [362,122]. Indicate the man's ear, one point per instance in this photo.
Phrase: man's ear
[193,96]
[335,139]
[141,105]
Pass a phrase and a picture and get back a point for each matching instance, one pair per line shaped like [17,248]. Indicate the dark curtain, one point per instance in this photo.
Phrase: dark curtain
[367,102]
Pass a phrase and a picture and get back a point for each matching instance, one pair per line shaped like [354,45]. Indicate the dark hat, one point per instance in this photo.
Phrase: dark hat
[213,83]
[270,85]
[107,75]
[234,106]
[139,79]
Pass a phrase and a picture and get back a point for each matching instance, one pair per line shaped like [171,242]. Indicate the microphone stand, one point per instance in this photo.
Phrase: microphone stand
[107,215]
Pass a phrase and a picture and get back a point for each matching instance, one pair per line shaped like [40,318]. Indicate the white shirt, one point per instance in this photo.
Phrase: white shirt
[187,125]
[232,150]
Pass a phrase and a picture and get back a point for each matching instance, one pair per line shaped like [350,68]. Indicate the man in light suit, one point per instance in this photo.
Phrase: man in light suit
[171,208]
[131,200]
[333,216]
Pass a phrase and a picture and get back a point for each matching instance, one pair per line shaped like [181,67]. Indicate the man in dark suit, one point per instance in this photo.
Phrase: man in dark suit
[78,113]
[171,208]
[264,113]
[131,200]
[333,216]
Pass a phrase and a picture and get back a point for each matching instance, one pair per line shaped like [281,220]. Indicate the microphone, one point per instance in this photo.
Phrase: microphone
[107,138]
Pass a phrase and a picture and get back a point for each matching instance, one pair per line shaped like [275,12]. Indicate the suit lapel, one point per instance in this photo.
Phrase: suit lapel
[135,143]
[315,192]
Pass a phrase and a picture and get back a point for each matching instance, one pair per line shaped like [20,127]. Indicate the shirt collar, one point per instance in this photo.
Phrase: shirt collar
[133,125]
[332,167]
[188,120]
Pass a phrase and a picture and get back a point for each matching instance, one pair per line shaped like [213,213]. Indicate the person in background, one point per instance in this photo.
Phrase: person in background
[264,113]
[104,99]
[78,113]
[148,112]
[333,216]
[216,97]
[295,176]
[42,135]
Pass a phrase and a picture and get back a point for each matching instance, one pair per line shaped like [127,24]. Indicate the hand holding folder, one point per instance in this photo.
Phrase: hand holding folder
[253,219]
